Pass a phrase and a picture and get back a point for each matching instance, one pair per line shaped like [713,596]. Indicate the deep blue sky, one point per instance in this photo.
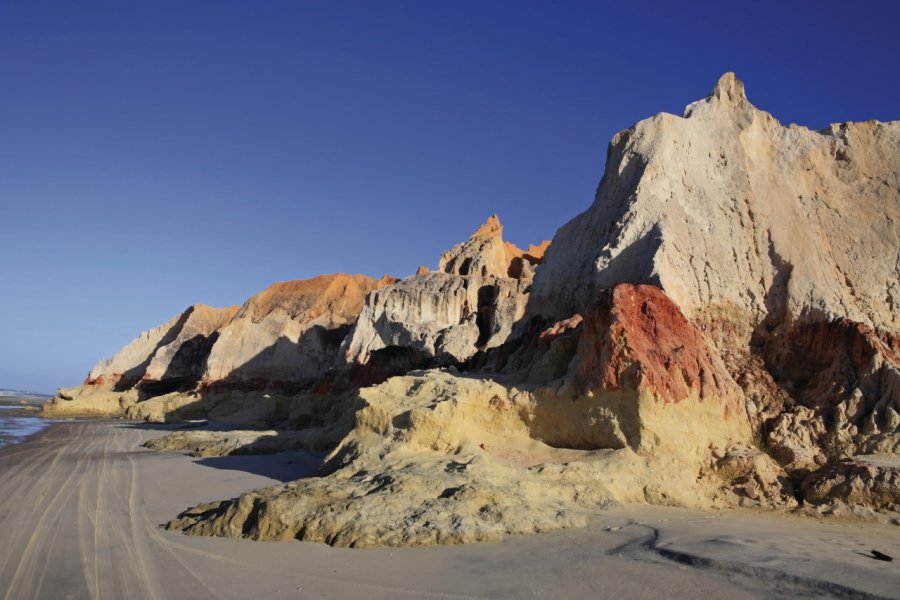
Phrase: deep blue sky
[158,154]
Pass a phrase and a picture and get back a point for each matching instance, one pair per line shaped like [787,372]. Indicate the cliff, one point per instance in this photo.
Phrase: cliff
[719,328]
[172,351]
[281,340]
[725,209]
[471,304]
[289,332]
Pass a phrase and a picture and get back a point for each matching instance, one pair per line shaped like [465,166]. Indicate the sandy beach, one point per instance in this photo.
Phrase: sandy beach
[82,504]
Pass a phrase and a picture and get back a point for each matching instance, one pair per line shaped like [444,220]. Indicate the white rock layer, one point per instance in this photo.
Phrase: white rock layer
[472,303]
[725,207]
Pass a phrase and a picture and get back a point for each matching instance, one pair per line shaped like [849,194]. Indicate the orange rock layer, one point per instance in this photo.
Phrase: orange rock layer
[338,296]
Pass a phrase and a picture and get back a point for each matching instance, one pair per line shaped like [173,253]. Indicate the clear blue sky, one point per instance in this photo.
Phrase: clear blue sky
[158,154]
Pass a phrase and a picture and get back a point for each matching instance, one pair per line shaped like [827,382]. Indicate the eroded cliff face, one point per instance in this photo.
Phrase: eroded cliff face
[290,332]
[472,303]
[780,244]
[174,350]
[164,359]
[281,340]
[724,208]
[719,328]
[638,325]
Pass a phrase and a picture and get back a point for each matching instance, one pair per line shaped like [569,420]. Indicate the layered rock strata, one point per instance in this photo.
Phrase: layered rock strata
[780,243]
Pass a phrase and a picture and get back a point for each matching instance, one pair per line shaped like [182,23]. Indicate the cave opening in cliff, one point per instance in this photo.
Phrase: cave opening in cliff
[484,318]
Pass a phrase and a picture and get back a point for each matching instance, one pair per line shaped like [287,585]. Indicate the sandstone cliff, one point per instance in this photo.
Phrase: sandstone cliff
[284,338]
[174,350]
[719,328]
[289,332]
[433,457]
[781,244]
[485,254]
[725,208]
[471,303]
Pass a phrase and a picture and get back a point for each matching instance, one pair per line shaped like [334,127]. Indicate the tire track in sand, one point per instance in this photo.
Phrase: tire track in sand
[43,522]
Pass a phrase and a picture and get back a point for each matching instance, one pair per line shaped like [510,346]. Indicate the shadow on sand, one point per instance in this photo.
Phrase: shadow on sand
[283,466]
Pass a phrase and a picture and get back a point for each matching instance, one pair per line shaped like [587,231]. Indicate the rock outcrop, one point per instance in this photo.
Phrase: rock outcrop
[173,351]
[438,458]
[635,332]
[290,332]
[471,303]
[724,208]
[862,484]
[161,360]
[483,254]
[780,244]
[486,254]
[638,349]
[437,318]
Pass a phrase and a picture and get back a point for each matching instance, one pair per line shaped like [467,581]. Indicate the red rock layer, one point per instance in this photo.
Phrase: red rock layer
[102,380]
[818,345]
[635,337]
[822,361]
[557,330]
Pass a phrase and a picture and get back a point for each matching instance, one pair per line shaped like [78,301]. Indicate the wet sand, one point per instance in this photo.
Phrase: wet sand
[81,504]
[19,418]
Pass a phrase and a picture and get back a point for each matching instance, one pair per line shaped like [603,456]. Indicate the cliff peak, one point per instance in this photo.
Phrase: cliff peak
[489,228]
[485,254]
[728,208]
[482,254]
[729,88]
[727,98]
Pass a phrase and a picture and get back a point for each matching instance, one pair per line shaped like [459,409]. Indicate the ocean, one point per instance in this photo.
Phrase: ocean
[19,418]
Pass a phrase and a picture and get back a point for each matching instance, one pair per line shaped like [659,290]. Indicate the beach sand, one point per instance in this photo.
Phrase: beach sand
[81,504]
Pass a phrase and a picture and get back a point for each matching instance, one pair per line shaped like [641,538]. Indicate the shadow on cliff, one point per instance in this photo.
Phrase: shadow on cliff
[290,366]
[184,370]
[132,376]
[285,366]
[287,387]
